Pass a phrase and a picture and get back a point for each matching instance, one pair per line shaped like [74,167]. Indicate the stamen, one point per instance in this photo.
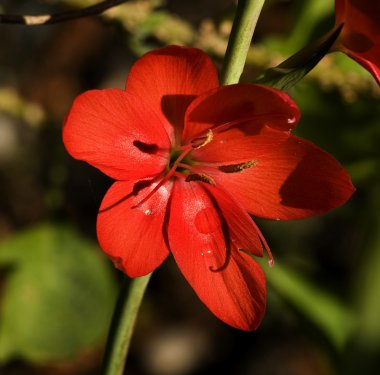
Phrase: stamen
[200,177]
[186,149]
[202,141]
[240,167]
[269,117]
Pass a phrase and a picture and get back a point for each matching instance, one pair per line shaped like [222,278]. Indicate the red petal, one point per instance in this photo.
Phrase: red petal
[340,7]
[117,133]
[228,282]
[296,180]
[365,60]
[133,237]
[168,79]
[360,37]
[237,104]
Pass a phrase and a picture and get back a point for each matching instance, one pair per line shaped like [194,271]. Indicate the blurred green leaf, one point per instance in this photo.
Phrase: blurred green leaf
[364,171]
[57,298]
[146,28]
[309,15]
[319,306]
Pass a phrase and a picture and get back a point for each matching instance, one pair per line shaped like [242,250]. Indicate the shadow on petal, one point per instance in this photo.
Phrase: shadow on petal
[137,187]
[357,42]
[315,186]
[174,108]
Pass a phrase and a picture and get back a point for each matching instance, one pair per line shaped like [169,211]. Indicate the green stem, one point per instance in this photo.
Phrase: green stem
[123,323]
[247,14]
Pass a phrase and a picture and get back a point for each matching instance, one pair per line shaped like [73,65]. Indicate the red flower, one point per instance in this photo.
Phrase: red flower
[360,36]
[190,159]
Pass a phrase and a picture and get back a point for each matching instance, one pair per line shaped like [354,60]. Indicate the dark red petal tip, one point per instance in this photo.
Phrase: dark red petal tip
[360,36]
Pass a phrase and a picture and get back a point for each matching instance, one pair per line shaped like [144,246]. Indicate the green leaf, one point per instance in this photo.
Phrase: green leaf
[292,70]
[319,306]
[57,298]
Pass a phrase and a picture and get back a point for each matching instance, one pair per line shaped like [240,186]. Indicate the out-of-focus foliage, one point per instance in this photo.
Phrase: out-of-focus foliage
[12,104]
[57,297]
[336,321]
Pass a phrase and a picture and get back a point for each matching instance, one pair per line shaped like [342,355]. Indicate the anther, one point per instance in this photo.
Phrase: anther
[240,167]
[202,141]
[200,177]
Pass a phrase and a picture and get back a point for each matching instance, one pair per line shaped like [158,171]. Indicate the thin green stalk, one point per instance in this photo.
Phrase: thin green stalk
[247,14]
[123,323]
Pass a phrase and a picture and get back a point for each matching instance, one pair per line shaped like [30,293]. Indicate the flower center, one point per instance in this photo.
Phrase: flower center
[181,163]
[184,161]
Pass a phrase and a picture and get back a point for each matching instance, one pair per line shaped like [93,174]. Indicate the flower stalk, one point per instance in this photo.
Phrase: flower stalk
[247,14]
[123,323]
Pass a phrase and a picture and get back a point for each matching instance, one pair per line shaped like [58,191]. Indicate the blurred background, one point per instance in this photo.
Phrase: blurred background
[57,290]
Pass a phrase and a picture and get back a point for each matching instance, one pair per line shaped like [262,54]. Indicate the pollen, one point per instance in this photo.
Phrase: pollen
[200,177]
[240,167]
[202,141]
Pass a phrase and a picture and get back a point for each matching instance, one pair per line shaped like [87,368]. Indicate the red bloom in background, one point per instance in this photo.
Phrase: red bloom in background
[190,160]
[360,36]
